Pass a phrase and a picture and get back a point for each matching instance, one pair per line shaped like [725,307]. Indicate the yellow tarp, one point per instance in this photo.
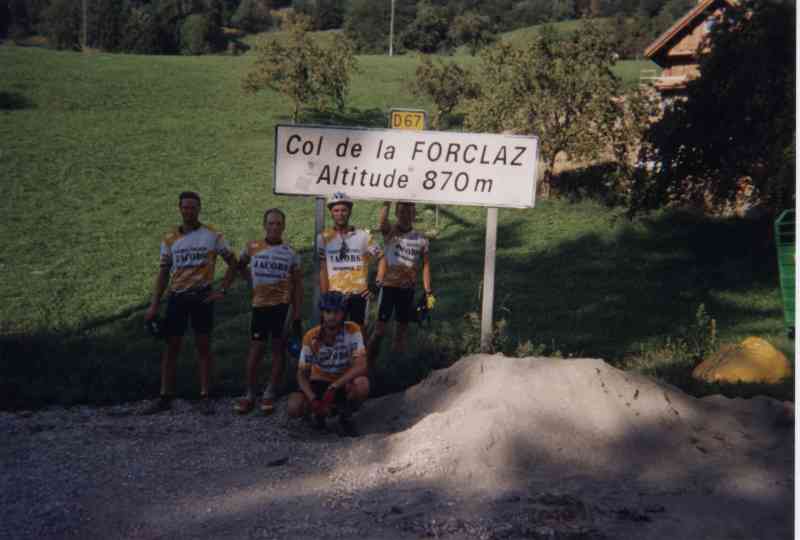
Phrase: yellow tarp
[753,360]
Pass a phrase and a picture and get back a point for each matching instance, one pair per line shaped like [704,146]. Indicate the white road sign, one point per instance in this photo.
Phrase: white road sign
[438,167]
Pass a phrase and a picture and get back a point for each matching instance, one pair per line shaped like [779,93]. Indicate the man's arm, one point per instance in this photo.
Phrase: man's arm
[426,272]
[228,279]
[358,369]
[244,268]
[162,279]
[383,220]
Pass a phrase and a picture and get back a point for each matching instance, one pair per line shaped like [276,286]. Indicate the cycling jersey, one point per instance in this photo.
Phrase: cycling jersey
[347,258]
[403,252]
[191,257]
[271,268]
[328,362]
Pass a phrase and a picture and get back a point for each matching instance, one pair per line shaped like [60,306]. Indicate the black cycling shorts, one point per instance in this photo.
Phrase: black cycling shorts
[268,321]
[183,307]
[356,309]
[397,300]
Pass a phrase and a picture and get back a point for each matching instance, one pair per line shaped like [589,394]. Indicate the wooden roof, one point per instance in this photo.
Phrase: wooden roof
[681,24]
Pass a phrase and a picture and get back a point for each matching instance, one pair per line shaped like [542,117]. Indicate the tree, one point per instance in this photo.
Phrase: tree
[558,88]
[302,70]
[325,14]
[199,35]
[475,31]
[445,83]
[738,118]
[428,32]
[107,19]
[141,33]
[63,22]
[367,23]
[253,16]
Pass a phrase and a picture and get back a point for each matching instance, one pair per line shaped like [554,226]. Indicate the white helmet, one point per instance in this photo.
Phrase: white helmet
[340,198]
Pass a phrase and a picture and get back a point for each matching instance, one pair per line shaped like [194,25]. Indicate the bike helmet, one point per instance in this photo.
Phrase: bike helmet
[339,198]
[333,301]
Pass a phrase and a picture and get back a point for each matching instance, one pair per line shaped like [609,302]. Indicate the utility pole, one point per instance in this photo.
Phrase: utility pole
[391,30]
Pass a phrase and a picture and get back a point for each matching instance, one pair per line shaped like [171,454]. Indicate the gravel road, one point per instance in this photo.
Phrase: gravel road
[480,450]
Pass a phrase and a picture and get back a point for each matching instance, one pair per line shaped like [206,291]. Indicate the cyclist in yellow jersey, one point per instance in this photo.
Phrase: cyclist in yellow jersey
[332,369]
[188,257]
[273,270]
[345,254]
[405,251]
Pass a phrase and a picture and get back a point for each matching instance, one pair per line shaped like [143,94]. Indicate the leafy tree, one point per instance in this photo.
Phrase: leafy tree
[558,88]
[140,33]
[253,16]
[309,75]
[531,12]
[563,10]
[63,22]
[446,84]
[367,23]
[428,32]
[738,118]
[476,31]
[199,35]
[325,14]
[106,24]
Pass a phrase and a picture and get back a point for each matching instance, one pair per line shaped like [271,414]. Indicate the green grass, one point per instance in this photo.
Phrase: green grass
[95,148]
[521,35]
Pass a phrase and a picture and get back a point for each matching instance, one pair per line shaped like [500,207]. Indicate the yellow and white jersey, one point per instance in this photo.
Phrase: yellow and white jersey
[271,268]
[191,257]
[328,362]
[347,258]
[403,253]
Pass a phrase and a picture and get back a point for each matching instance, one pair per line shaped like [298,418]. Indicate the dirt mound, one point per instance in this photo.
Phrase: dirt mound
[582,427]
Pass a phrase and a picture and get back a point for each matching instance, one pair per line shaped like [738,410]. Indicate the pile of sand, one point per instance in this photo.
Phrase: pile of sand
[493,424]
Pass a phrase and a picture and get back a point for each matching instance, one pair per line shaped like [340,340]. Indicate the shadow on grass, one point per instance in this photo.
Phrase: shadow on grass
[600,293]
[595,182]
[10,101]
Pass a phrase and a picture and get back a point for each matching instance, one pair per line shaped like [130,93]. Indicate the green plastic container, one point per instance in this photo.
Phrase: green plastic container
[784,241]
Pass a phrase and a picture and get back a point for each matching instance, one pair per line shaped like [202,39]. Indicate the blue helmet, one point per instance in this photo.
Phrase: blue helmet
[333,301]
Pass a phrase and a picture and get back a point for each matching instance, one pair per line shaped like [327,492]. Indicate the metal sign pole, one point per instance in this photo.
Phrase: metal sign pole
[319,224]
[487,309]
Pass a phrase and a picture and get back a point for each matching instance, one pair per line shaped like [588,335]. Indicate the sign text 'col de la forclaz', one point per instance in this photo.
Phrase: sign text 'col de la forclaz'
[439,167]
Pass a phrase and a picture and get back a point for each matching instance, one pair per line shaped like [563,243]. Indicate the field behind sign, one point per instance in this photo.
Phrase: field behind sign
[95,148]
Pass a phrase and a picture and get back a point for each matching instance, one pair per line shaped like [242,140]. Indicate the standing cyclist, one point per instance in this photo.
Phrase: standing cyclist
[332,369]
[188,257]
[405,251]
[273,270]
[345,253]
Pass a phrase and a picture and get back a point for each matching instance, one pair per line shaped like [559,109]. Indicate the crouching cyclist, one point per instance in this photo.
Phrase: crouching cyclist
[332,369]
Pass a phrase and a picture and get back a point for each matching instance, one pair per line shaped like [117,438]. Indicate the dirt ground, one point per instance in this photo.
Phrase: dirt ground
[492,447]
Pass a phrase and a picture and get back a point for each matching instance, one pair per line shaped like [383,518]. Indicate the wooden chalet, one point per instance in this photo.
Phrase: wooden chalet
[676,51]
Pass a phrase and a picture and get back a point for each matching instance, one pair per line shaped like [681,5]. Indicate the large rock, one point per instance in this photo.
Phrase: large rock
[753,360]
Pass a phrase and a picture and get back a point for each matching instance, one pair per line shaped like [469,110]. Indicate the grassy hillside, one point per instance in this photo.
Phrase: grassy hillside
[95,148]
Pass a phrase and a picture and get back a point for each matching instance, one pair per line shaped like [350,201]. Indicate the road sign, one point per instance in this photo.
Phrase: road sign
[414,119]
[439,167]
